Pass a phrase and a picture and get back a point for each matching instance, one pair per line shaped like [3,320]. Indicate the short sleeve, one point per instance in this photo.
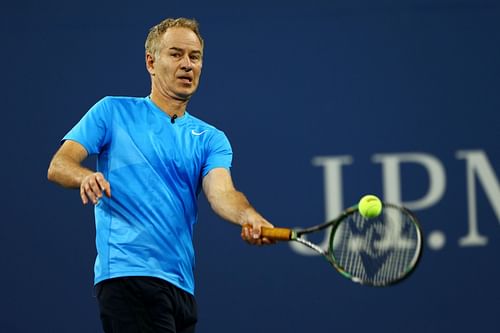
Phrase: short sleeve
[219,153]
[92,130]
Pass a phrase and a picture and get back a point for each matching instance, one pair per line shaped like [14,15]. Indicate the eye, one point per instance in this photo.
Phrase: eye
[175,54]
[195,57]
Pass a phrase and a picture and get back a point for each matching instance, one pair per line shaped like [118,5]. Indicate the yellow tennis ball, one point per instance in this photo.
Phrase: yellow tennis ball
[370,206]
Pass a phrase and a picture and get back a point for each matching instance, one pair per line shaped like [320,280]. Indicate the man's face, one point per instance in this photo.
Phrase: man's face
[176,69]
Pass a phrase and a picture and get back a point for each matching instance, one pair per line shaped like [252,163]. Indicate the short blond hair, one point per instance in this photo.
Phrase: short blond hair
[153,41]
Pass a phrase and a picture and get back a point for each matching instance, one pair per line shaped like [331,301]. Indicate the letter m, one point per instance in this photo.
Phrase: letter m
[477,164]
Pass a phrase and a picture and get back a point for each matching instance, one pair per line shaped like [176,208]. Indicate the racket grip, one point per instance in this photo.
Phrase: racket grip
[282,234]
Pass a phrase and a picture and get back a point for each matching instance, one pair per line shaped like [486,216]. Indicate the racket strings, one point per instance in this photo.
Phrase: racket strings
[376,251]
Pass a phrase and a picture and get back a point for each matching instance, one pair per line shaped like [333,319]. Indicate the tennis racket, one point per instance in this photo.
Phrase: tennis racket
[379,251]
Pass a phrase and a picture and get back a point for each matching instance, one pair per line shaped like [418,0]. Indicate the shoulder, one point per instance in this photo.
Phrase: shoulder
[122,101]
[109,106]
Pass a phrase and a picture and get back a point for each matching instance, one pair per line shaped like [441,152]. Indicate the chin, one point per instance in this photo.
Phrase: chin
[185,94]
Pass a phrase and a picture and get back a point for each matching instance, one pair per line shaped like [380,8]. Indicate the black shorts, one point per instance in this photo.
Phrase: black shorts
[145,305]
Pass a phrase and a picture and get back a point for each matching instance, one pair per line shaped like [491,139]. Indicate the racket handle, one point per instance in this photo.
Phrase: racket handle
[282,234]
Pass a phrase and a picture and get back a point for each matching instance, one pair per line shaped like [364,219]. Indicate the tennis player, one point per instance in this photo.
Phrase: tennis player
[154,158]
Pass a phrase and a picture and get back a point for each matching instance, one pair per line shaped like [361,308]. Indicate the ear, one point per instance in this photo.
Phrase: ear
[150,63]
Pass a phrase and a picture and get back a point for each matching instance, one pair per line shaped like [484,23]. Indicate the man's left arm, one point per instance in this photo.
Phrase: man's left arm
[233,206]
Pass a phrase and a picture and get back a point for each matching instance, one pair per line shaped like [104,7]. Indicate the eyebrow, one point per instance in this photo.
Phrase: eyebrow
[182,50]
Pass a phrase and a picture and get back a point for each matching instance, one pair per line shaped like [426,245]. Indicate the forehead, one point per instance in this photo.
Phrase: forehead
[182,38]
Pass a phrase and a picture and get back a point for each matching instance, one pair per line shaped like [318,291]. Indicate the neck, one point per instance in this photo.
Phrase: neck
[171,106]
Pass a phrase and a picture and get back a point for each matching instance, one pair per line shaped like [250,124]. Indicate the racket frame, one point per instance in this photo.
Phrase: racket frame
[297,236]
[410,267]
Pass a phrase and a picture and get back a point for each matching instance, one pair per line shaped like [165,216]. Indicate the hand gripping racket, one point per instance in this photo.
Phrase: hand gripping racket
[377,251]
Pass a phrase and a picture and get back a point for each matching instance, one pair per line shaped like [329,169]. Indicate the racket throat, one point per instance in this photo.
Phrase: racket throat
[311,245]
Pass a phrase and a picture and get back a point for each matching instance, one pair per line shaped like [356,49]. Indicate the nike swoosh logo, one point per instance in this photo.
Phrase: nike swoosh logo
[198,133]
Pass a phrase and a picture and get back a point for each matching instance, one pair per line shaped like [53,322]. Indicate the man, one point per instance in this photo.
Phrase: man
[153,160]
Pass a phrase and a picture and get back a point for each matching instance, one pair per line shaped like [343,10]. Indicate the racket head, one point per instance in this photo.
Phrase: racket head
[378,251]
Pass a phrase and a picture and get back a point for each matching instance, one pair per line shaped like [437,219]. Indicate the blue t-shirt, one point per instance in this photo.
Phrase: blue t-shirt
[155,169]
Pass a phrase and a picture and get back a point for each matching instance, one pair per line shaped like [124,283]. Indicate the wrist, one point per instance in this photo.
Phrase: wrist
[245,215]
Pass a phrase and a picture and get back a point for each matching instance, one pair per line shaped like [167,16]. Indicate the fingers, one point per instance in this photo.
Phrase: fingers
[256,231]
[246,229]
[267,241]
[83,195]
[92,188]
[103,184]
[248,234]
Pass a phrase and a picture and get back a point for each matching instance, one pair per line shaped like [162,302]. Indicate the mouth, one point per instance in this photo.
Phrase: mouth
[185,79]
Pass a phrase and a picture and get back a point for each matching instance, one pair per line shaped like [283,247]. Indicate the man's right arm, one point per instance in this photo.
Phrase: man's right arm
[66,170]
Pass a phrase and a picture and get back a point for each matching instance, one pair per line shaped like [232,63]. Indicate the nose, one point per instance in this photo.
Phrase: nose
[186,63]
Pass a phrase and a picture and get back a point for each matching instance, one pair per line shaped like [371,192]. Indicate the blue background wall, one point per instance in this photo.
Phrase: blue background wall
[289,82]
